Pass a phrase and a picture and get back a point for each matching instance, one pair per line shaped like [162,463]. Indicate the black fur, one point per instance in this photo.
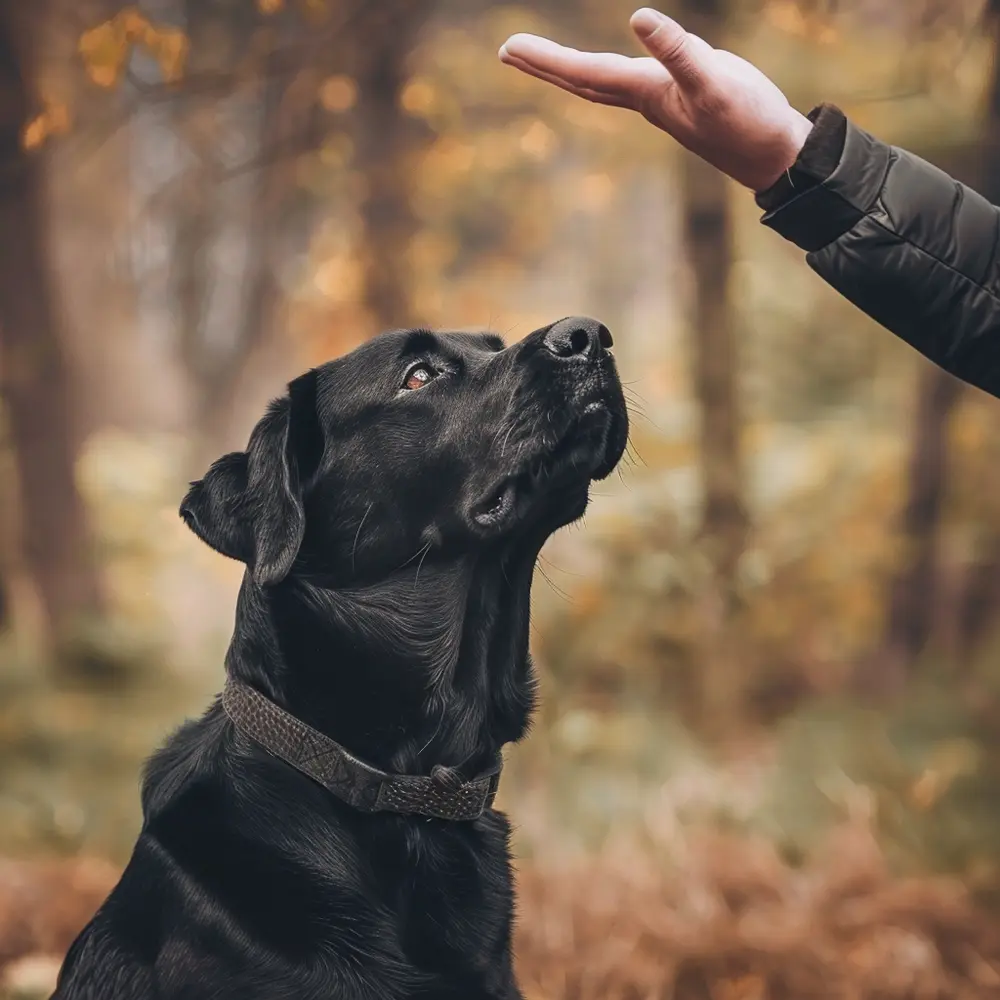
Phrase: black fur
[380,609]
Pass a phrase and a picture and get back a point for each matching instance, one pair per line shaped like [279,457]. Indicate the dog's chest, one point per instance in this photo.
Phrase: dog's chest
[456,896]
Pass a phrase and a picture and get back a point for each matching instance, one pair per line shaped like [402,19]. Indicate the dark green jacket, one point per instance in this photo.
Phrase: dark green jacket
[912,247]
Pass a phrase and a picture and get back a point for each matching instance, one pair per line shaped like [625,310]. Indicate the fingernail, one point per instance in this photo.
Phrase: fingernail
[646,20]
[503,52]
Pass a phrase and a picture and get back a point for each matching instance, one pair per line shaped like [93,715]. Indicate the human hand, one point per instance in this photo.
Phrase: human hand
[712,102]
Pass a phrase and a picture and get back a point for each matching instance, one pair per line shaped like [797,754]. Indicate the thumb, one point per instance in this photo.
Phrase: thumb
[668,42]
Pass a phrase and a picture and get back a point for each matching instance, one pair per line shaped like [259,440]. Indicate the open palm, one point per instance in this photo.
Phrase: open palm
[713,102]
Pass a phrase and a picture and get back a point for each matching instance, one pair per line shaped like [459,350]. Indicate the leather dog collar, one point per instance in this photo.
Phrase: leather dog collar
[442,795]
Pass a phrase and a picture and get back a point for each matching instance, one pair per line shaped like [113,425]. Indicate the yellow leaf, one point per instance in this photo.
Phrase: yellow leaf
[338,93]
[104,50]
[787,17]
[169,46]
[596,191]
[339,278]
[539,140]
[418,97]
[336,151]
[270,6]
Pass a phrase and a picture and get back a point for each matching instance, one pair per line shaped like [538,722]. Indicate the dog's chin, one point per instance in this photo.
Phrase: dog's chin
[614,442]
[589,451]
[554,483]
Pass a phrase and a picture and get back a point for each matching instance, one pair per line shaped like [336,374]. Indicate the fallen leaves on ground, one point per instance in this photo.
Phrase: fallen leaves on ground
[730,920]
[727,919]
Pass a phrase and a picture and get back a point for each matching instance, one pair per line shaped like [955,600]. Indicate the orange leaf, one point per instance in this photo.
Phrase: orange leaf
[133,23]
[104,50]
[54,120]
[169,46]
[35,132]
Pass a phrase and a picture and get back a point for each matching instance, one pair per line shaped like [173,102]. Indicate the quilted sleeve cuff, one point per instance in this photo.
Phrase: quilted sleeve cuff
[819,213]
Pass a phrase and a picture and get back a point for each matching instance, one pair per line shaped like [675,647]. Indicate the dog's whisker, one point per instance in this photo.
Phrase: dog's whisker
[635,410]
[634,453]
[416,579]
[559,569]
[506,440]
[557,589]
[636,406]
[416,555]
[357,535]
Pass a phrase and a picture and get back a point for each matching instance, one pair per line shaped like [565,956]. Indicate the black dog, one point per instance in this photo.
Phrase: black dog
[389,510]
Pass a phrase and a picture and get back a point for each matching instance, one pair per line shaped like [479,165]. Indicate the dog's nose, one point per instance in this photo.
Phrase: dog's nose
[577,337]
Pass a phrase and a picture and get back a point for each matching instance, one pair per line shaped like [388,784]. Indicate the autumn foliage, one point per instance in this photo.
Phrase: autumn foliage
[726,919]
[730,920]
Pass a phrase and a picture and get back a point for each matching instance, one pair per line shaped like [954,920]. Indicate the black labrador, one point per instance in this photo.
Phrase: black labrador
[326,829]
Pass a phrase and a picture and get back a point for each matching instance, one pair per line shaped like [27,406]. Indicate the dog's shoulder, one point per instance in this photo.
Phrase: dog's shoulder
[194,750]
[233,838]
[98,966]
[181,922]
[237,852]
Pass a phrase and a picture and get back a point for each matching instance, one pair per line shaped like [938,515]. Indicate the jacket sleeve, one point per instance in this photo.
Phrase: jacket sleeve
[912,247]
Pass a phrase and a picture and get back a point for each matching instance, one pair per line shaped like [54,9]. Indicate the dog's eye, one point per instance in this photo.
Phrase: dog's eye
[419,375]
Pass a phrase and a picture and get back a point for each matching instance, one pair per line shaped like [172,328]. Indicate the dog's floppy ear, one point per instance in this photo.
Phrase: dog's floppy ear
[249,504]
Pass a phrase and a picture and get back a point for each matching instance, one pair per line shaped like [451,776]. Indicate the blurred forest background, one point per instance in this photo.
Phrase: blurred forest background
[767,762]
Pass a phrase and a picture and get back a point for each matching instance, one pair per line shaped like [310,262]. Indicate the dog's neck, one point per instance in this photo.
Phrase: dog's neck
[416,670]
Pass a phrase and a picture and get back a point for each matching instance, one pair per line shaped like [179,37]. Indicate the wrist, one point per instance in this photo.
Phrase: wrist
[801,127]
[816,162]
[796,133]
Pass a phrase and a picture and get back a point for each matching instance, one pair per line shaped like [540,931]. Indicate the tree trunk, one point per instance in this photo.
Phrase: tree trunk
[913,592]
[708,236]
[36,381]
[714,356]
[385,141]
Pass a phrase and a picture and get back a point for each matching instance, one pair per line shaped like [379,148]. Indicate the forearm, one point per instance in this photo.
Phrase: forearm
[909,245]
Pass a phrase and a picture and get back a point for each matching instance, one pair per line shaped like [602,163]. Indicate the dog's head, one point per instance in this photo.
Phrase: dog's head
[416,445]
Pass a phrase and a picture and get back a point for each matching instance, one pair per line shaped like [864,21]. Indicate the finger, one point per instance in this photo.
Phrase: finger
[610,98]
[606,72]
[678,51]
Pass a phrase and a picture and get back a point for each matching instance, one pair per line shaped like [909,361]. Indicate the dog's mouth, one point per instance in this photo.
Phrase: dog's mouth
[588,449]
